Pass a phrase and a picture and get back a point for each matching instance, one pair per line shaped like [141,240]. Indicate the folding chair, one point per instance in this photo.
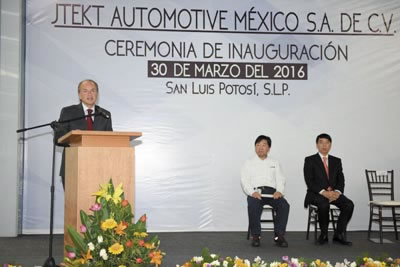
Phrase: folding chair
[334,213]
[266,208]
[381,198]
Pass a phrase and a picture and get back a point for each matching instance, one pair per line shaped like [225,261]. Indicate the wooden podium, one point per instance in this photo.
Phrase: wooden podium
[92,159]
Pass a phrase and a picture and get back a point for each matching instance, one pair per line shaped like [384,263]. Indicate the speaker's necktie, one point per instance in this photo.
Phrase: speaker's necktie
[89,120]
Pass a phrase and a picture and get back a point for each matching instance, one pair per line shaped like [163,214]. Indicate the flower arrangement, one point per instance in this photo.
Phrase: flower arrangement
[210,260]
[109,237]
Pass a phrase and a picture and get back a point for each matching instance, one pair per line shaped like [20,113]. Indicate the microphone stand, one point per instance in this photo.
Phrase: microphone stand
[50,262]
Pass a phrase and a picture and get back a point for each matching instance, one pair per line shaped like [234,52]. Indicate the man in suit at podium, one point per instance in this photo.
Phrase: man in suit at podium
[264,183]
[88,91]
[324,177]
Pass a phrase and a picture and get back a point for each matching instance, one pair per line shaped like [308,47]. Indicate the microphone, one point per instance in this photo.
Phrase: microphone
[103,113]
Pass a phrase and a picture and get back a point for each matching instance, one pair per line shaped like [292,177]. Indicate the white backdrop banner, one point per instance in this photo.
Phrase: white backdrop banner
[201,80]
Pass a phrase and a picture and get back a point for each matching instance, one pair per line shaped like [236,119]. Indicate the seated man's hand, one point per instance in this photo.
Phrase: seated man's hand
[277,195]
[335,195]
[327,194]
[256,195]
[330,195]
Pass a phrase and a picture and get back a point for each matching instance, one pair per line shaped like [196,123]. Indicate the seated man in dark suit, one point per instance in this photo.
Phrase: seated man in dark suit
[87,91]
[324,177]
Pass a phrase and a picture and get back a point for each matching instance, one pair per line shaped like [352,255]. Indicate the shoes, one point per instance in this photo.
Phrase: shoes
[340,238]
[281,241]
[322,239]
[256,241]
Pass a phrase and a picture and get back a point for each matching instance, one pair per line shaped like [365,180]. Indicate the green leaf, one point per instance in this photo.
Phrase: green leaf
[153,239]
[70,249]
[105,214]
[77,239]
[87,223]
[111,190]
[205,253]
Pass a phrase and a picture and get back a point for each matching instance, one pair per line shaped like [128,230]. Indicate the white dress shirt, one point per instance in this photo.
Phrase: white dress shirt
[322,158]
[257,172]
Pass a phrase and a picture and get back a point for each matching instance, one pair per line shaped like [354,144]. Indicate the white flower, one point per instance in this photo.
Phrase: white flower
[103,254]
[328,264]
[215,263]
[91,246]
[274,264]
[99,239]
[257,260]
[353,264]
[197,259]
[295,261]
[247,262]
[213,256]
[340,264]
[225,263]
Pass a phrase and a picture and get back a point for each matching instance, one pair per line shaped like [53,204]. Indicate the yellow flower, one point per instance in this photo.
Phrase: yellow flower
[283,264]
[103,192]
[141,234]
[121,266]
[149,246]
[116,249]
[383,264]
[108,224]
[323,264]
[86,257]
[240,263]
[205,264]
[318,262]
[120,228]
[117,194]
[365,259]
[157,257]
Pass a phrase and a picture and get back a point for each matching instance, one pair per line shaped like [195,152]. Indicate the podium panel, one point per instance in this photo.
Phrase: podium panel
[93,159]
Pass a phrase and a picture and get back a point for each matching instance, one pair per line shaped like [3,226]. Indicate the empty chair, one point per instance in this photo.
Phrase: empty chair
[381,199]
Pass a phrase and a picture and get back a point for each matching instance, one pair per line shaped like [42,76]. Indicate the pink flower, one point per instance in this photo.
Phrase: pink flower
[95,207]
[124,203]
[143,218]
[71,255]
[83,228]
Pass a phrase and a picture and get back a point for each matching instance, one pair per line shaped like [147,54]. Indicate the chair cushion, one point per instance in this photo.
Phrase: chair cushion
[266,206]
[386,203]
[331,206]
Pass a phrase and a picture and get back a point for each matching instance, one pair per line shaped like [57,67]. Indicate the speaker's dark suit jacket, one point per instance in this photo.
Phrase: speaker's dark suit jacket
[317,179]
[100,123]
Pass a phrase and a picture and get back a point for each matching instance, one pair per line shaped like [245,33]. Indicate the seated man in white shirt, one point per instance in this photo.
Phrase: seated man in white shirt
[262,175]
